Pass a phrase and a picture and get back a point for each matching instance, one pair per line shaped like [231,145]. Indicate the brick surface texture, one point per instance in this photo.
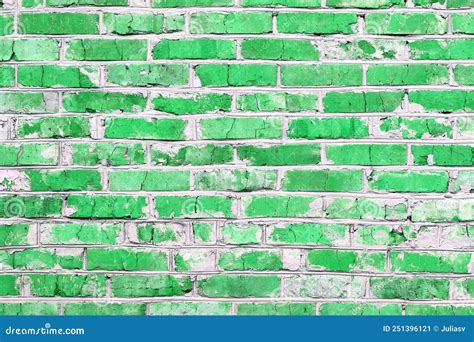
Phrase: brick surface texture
[242,157]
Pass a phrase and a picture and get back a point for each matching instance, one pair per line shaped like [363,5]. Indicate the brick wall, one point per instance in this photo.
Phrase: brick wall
[293,157]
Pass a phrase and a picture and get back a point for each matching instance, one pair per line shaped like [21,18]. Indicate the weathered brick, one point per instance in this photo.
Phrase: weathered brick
[416,128]
[366,154]
[241,234]
[54,127]
[327,128]
[90,154]
[405,23]
[81,233]
[410,288]
[270,102]
[194,49]
[194,206]
[126,259]
[287,154]
[30,206]
[229,23]
[279,49]
[105,206]
[447,210]
[190,3]
[367,102]
[442,155]
[316,23]
[142,23]
[239,286]
[310,234]
[193,103]
[29,309]
[58,23]
[106,50]
[441,101]
[407,74]
[209,154]
[104,309]
[52,76]
[463,74]
[321,75]
[149,285]
[236,75]
[358,309]
[141,128]
[140,75]
[463,23]
[366,208]
[427,49]
[190,308]
[28,102]
[324,286]
[101,102]
[276,309]
[159,233]
[16,234]
[285,3]
[345,261]
[282,206]
[436,262]
[42,259]
[408,181]
[364,3]
[66,285]
[27,154]
[235,180]
[149,180]
[245,260]
[323,180]
[240,128]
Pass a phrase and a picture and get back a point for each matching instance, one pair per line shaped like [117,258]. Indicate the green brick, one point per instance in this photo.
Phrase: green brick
[128,180]
[410,288]
[374,235]
[366,209]
[191,3]
[158,234]
[54,127]
[116,154]
[255,260]
[364,3]
[462,182]
[367,102]
[209,154]
[28,102]
[463,23]
[144,128]
[30,206]
[138,23]
[328,128]
[276,309]
[194,49]
[241,234]
[310,234]
[447,210]
[460,4]
[41,259]
[276,102]
[66,285]
[426,49]
[321,75]
[142,75]
[435,262]
[345,261]
[235,180]
[29,309]
[279,49]
[366,154]
[237,75]
[9,285]
[185,104]
[6,25]
[405,23]
[106,50]
[204,233]
[317,23]
[194,260]
[464,74]
[409,181]
[25,154]
[41,49]
[465,127]
[105,206]
[190,308]
[324,286]
[407,74]
[64,180]
[288,154]
[231,23]
[442,155]
[359,309]
[282,206]
[239,286]
[31,3]
[58,23]
[194,206]
[16,234]
[81,233]
[438,310]
[464,288]
[417,128]
[53,76]
[372,49]
[68,3]
[104,309]
[102,102]
[240,128]
[285,3]
[441,101]
[150,285]
[126,259]
[323,180]
[7,76]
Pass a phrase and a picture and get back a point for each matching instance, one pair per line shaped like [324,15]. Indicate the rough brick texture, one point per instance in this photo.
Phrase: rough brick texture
[236,157]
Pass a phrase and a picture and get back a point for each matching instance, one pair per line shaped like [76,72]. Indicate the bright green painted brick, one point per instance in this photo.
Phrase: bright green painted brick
[194,206]
[287,154]
[405,23]
[367,102]
[193,103]
[465,127]
[141,128]
[359,309]
[194,49]
[438,310]
[310,234]
[328,128]
[30,206]
[81,233]
[282,206]
[442,101]
[102,102]
[28,102]
[237,75]
[374,235]
[140,75]
[15,234]
[66,285]
[364,3]
[190,308]
[367,154]
[204,232]
[463,23]
[407,74]
[279,49]
[321,75]
[276,102]
[26,154]
[254,260]
[142,23]
[464,288]
[106,50]
[285,3]
[435,262]
[116,154]
[276,309]
[426,49]
[64,180]
[126,259]
[370,49]
[9,285]
[191,3]
[58,23]
[239,286]
[160,233]
[52,76]
[41,49]
[235,180]
[67,3]
[54,127]
[447,210]
[316,23]
[29,309]
[209,154]
[41,259]
[240,128]
[150,285]
[231,23]
[417,128]
[366,208]
[104,309]
[323,180]
[105,206]
[442,155]
[130,180]
[409,181]
[241,234]
[6,25]
[345,261]
[464,74]
[410,288]
[31,3]
[7,76]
